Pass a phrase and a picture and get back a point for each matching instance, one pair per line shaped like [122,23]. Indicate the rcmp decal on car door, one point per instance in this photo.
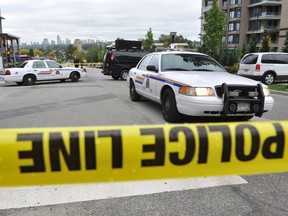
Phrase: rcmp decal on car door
[147,83]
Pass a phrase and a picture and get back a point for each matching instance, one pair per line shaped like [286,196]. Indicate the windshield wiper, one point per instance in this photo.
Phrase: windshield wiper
[176,69]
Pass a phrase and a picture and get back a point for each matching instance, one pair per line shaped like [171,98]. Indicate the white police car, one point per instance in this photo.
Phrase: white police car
[195,84]
[32,71]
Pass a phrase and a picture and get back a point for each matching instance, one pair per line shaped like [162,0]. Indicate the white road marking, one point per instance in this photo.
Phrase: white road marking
[19,197]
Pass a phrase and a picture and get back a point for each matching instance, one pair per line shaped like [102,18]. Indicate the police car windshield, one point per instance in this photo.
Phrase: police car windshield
[189,62]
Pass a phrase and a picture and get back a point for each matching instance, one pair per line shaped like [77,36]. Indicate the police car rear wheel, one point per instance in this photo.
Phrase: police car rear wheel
[169,108]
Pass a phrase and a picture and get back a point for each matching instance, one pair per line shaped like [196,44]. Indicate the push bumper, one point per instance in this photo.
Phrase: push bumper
[228,105]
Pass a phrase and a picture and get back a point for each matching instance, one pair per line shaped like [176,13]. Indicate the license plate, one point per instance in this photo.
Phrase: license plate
[243,106]
[1,78]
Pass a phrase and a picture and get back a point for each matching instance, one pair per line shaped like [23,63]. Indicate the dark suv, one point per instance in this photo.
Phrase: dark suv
[117,62]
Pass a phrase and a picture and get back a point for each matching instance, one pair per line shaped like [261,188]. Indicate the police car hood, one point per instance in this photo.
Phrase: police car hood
[207,79]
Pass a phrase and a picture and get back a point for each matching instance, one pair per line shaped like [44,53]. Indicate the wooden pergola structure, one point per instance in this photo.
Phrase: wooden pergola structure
[9,47]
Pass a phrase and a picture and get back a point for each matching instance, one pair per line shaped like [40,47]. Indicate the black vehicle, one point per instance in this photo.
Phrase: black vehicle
[126,55]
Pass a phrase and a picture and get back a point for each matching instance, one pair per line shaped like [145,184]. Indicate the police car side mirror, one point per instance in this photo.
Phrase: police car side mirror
[151,68]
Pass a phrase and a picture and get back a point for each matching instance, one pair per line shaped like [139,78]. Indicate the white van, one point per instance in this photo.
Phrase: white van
[266,67]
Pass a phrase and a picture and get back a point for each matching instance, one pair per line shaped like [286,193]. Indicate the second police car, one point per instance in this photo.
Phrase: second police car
[32,71]
[195,84]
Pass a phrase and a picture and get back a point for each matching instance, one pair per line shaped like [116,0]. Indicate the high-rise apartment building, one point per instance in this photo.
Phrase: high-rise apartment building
[247,17]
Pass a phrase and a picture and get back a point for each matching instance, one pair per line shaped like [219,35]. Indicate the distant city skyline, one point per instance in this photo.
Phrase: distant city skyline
[59,41]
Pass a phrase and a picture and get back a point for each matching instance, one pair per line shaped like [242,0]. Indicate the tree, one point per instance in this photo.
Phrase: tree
[266,43]
[69,51]
[59,55]
[214,28]
[51,55]
[167,39]
[38,53]
[24,51]
[229,57]
[78,55]
[31,53]
[148,42]
[285,46]
[252,44]
[92,54]
[244,50]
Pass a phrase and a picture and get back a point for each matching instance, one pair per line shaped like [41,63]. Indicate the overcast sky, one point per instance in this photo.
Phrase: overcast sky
[34,20]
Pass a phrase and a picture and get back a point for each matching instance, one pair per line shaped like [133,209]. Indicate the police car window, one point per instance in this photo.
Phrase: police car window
[39,64]
[52,64]
[23,64]
[144,62]
[155,61]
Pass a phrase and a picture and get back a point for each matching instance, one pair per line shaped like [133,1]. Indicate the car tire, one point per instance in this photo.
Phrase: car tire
[115,77]
[124,74]
[268,78]
[29,80]
[134,96]
[169,108]
[74,76]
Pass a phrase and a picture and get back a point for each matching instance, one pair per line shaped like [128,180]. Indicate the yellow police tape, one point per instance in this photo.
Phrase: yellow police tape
[42,156]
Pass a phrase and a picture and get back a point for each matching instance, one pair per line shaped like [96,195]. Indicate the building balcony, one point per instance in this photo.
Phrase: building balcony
[254,3]
[266,15]
[271,29]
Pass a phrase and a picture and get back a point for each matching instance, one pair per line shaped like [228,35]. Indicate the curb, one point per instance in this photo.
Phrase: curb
[279,92]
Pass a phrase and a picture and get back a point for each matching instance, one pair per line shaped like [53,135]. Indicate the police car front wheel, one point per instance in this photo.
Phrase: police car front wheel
[169,108]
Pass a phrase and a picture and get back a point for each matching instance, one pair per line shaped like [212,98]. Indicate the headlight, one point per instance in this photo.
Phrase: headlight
[266,91]
[196,91]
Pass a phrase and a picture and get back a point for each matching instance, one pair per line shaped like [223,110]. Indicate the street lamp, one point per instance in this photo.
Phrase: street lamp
[173,39]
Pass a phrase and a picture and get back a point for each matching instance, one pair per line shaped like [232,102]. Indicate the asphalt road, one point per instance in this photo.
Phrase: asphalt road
[98,100]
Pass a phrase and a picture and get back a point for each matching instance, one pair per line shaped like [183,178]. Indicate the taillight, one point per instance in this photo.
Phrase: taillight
[7,72]
[257,68]
[112,57]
